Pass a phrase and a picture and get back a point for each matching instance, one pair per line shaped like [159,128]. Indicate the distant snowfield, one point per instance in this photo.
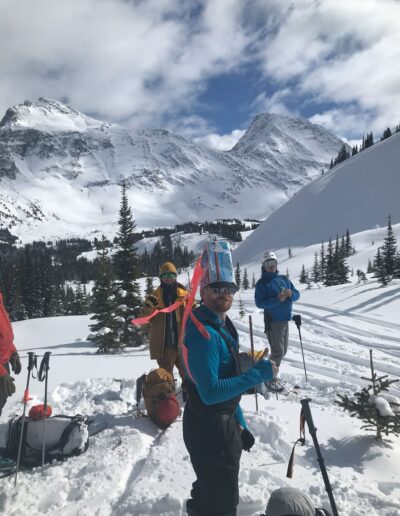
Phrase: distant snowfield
[133,468]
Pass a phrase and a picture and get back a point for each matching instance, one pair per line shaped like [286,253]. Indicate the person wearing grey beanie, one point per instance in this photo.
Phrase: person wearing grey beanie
[289,501]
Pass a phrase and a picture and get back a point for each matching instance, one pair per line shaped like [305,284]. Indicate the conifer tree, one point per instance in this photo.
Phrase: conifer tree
[245,282]
[253,281]
[125,262]
[370,405]
[81,305]
[389,250]
[380,269]
[290,253]
[340,269]
[107,326]
[303,275]
[322,262]
[348,244]
[238,276]
[149,286]
[329,276]
[316,269]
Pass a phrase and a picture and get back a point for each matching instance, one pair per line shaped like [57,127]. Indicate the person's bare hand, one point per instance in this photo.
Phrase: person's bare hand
[282,296]
[288,292]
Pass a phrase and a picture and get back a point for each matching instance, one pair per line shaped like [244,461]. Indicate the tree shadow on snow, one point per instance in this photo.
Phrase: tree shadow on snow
[352,452]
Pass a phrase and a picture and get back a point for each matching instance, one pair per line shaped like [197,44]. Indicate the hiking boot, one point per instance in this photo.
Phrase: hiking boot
[276,385]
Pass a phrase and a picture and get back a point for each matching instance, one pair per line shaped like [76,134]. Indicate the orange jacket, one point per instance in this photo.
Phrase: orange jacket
[7,347]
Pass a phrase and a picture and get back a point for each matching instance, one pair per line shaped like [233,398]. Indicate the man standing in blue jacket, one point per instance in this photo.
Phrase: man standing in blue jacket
[275,294]
[214,429]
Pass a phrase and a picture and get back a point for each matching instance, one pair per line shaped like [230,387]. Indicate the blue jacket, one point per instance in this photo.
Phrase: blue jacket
[212,364]
[266,295]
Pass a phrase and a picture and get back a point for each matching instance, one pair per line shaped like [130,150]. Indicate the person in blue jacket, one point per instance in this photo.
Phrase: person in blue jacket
[214,429]
[275,294]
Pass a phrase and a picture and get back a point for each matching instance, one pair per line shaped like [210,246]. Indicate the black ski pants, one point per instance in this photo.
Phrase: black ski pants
[214,444]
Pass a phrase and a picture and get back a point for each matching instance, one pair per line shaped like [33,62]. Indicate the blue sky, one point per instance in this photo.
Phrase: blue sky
[205,68]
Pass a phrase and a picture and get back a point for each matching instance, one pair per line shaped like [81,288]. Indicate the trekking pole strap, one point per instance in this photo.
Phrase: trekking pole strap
[44,366]
[301,440]
[32,364]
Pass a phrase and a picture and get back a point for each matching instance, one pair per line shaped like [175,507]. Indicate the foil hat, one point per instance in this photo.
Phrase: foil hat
[216,262]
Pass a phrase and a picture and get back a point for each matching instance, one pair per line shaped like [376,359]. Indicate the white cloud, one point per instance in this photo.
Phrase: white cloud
[274,103]
[340,53]
[132,61]
[221,142]
[145,62]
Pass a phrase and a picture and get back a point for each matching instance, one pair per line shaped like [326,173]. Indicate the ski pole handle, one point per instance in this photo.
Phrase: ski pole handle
[297,320]
[31,360]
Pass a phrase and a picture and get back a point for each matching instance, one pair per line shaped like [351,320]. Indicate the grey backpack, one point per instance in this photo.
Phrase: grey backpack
[65,436]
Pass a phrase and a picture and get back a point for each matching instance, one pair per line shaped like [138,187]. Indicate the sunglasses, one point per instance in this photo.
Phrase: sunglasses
[223,290]
[168,275]
[269,263]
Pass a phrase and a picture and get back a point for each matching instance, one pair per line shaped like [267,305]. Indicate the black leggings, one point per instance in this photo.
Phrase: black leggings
[215,446]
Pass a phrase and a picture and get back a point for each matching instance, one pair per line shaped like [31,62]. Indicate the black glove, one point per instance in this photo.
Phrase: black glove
[247,440]
[15,363]
[151,301]
[7,385]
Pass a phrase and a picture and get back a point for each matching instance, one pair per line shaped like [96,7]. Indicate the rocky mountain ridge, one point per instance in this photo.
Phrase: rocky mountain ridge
[61,171]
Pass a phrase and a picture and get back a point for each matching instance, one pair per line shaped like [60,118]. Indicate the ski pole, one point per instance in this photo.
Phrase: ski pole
[252,355]
[297,321]
[31,364]
[268,329]
[305,403]
[43,375]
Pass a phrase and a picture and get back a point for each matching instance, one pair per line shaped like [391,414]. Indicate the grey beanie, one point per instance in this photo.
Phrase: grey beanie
[289,501]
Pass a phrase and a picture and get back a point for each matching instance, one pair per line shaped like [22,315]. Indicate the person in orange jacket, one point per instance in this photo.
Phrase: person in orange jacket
[8,356]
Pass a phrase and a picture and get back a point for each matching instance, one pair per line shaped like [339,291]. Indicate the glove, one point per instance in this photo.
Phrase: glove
[266,369]
[7,385]
[15,363]
[258,355]
[151,301]
[247,440]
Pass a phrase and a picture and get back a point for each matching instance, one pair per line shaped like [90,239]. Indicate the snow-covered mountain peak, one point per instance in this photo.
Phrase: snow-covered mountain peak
[65,169]
[47,115]
[274,133]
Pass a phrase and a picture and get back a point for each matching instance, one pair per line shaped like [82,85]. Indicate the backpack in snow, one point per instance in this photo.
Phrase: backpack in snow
[65,436]
[160,398]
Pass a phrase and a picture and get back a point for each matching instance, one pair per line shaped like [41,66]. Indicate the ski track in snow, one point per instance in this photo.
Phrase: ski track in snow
[132,468]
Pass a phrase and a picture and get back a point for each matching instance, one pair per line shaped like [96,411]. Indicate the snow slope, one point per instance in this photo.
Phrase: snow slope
[357,195]
[133,468]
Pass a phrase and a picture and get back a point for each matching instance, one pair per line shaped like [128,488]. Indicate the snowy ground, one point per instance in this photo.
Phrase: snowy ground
[134,468]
